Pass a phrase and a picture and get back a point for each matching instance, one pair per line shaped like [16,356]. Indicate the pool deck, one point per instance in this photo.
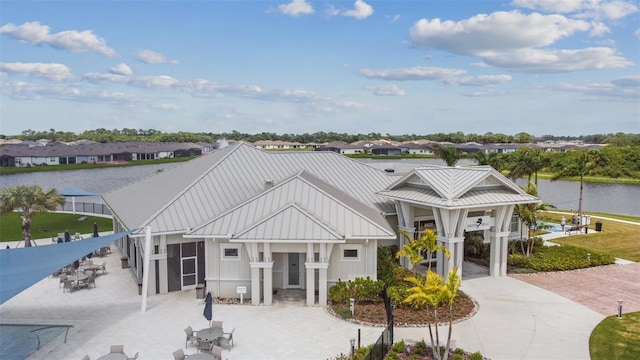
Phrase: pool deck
[519,317]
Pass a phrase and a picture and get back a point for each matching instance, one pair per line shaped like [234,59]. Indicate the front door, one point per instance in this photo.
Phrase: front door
[189,272]
[293,271]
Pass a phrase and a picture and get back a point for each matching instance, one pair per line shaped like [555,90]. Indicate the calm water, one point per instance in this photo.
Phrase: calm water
[18,342]
[607,198]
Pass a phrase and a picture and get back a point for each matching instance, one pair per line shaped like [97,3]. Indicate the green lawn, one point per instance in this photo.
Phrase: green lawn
[49,225]
[616,239]
[616,338]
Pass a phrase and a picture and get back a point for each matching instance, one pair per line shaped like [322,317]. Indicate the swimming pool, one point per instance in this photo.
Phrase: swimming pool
[18,342]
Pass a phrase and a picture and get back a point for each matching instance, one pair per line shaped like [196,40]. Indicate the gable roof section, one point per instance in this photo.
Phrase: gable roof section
[187,196]
[455,187]
[301,207]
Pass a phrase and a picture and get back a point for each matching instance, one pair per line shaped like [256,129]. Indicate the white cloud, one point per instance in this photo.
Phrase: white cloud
[637,33]
[500,31]
[480,80]
[55,72]
[598,29]
[121,69]
[25,91]
[296,7]
[597,9]
[412,73]
[603,90]
[71,40]
[331,11]
[152,57]
[158,81]
[548,61]
[385,90]
[361,10]
[102,77]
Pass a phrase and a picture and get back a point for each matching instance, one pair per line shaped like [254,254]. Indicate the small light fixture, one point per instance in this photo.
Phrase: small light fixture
[589,257]
[619,308]
[408,349]
[353,346]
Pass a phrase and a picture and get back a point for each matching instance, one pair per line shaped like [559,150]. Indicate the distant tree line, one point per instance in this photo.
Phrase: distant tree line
[104,136]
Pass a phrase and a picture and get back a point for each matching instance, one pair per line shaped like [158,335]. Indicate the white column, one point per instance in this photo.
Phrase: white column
[494,255]
[267,273]
[145,276]
[504,254]
[322,284]
[255,285]
[311,285]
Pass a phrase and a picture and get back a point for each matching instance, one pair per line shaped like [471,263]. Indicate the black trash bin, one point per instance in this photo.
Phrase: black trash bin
[124,262]
[598,225]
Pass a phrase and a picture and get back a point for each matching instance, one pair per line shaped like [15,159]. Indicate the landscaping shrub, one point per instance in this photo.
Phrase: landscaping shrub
[477,356]
[560,258]
[360,289]
[387,263]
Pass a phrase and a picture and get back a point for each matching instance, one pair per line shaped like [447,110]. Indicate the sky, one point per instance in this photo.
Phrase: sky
[544,67]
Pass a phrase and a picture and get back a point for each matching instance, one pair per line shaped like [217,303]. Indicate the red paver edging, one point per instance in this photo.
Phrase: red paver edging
[597,288]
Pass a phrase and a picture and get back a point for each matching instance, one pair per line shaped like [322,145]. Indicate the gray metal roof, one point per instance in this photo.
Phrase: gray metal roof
[191,194]
[457,187]
[300,207]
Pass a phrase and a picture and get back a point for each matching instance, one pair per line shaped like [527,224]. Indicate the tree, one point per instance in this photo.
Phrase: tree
[29,200]
[421,248]
[526,161]
[529,215]
[432,292]
[580,164]
[449,154]
[493,159]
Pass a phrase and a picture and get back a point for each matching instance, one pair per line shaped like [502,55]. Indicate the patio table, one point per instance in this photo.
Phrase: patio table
[114,356]
[77,277]
[201,356]
[211,334]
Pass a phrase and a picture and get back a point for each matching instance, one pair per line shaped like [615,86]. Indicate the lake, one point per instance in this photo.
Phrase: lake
[607,198]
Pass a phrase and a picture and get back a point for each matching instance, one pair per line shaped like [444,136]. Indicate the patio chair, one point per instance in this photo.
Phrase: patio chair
[216,324]
[226,340]
[205,346]
[117,349]
[69,285]
[77,236]
[91,280]
[191,336]
[178,355]
[135,357]
[216,351]
[63,278]
[103,267]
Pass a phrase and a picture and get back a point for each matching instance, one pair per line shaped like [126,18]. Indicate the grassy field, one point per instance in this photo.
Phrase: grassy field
[616,338]
[49,225]
[616,239]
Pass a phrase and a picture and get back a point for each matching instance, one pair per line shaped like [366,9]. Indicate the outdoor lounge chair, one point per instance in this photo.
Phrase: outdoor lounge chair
[226,340]
[135,357]
[178,355]
[91,280]
[118,349]
[191,336]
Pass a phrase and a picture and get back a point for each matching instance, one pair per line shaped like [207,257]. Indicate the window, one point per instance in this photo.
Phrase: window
[230,252]
[350,252]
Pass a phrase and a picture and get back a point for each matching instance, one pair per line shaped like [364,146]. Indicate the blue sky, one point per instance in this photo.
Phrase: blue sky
[568,67]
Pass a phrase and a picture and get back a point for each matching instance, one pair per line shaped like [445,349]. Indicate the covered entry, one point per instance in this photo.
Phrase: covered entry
[455,200]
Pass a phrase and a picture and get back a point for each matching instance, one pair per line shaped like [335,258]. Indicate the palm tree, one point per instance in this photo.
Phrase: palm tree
[529,216]
[421,248]
[526,161]
[580,164]
[29,200]
[432,292]
[449,154]
[493,159]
